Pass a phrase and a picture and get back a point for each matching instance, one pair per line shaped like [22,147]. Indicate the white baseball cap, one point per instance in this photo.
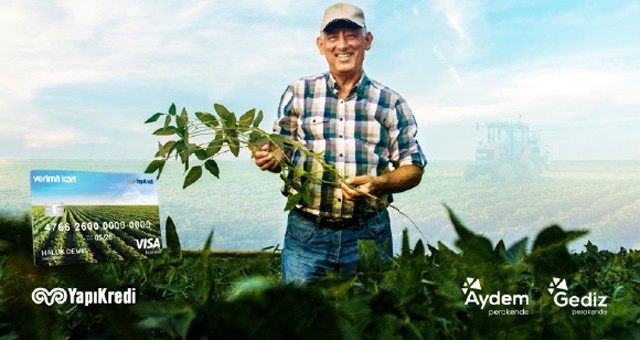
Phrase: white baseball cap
[342,12]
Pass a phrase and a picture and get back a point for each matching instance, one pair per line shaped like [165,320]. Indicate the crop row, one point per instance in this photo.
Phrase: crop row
[90,235]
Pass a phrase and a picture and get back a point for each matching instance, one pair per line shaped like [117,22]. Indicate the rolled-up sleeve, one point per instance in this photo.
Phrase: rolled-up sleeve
[405,149]
[287,121]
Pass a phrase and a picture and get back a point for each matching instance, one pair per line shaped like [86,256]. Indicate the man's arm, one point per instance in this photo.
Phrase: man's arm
[402,178]
[287,123]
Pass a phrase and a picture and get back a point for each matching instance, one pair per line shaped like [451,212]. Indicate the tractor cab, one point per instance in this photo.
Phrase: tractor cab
[508,150]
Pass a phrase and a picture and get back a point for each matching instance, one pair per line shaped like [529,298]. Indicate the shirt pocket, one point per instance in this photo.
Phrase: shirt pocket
[315,126]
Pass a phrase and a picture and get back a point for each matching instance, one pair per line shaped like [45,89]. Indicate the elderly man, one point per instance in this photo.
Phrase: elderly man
[362,128]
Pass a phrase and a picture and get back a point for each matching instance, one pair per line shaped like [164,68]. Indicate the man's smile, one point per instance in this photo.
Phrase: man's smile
[343,56]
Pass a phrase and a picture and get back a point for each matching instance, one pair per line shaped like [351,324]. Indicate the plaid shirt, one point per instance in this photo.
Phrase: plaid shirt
[360,135]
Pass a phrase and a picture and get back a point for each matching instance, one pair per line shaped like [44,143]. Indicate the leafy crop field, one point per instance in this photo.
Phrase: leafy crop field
[430,292]
[570,196]
[245,206]
[89,234]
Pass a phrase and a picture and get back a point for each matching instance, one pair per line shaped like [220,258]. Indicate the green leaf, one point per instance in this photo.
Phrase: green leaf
[206,249]
[212,167]
[201,154]
[165,131]
[292,200]
[194,174]
[516,253]
[234,144]
[167,121]
[185,152]
[168,147]
[180,131]
[182,119]
[555,235]
[249,287]
[500,248]
[172,109]
[173,241]
[258,139]
[247,118]
[215,145]
[174,318]
[154,118]
[228,118]
[277,140]
[258,119]
[179,146]
[419,250]
[406,248]
[370,263]
[207,119]
[475,248]
[161,152]
[154,165]
[550,256]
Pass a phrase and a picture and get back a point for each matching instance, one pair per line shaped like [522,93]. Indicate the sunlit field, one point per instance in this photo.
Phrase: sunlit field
[245,208]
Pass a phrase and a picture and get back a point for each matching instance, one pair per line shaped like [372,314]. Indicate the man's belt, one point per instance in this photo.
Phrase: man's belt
[333,223]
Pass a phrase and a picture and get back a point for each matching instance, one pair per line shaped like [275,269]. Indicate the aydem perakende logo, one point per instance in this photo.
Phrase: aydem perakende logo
[473,291]
[74,296]
[590,304]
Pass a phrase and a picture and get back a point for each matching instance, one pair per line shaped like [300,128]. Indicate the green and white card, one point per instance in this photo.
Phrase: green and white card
[90,217]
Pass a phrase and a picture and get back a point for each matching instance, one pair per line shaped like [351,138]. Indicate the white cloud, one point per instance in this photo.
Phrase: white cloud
[48,138]
[454,74]
[457,14]
[562,89]
[213,46]
[46,45]
[136,197]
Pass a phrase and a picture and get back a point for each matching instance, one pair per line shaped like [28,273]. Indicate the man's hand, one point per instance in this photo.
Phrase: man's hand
[364,185]
[398,180]
[265,160]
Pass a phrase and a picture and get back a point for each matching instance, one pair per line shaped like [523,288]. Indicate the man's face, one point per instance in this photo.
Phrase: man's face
[344,47]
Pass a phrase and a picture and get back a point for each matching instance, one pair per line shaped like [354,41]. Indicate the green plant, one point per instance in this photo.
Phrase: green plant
[210,135]
[207,137]
[193,295]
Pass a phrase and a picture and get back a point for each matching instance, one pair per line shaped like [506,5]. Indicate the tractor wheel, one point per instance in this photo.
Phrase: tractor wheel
[505,173]
[531,171]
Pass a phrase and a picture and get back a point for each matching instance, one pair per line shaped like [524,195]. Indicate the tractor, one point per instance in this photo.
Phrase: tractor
[511,151]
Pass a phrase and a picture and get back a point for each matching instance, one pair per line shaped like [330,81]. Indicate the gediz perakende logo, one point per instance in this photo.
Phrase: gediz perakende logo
[101,296]
[592,303]
[473,292]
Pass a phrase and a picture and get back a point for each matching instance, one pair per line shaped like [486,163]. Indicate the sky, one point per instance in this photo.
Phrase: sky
[79,77]
[92,188]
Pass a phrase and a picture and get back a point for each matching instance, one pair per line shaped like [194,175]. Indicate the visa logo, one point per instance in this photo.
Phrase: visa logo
[148,243]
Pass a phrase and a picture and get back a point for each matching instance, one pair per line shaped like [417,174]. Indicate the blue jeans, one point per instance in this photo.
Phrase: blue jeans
[311,251]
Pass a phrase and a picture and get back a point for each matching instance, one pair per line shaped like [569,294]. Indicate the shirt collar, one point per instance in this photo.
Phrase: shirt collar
[333,85]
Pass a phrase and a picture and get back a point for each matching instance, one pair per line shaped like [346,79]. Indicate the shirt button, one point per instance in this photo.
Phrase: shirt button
[341,136]
[341,119]
[339,199]
[342,102]
[340,155]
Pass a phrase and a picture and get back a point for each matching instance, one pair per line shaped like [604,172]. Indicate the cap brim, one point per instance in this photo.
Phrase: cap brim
[343,21]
